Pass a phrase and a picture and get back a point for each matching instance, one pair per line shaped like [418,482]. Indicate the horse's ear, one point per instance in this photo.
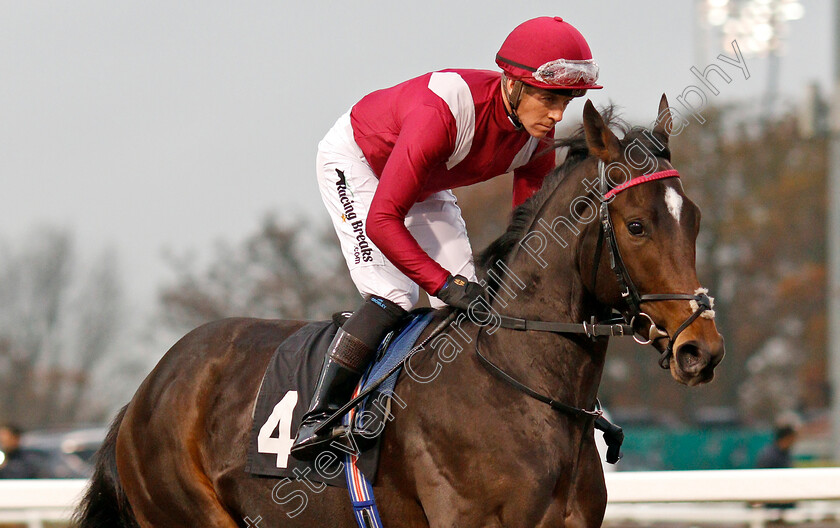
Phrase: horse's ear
[599,138]
[664,123]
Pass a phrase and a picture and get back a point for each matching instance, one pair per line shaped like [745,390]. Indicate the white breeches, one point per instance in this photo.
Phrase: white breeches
[435,223]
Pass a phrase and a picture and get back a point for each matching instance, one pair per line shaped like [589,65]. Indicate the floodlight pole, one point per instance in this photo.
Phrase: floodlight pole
[833,350]
[701,34]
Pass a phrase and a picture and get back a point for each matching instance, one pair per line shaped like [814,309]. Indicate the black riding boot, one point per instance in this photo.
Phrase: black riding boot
[349,354]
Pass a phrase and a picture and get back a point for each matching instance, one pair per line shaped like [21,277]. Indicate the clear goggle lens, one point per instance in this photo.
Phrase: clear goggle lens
[562,72]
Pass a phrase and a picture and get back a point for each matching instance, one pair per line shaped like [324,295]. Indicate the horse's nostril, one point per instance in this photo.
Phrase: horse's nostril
[691,358]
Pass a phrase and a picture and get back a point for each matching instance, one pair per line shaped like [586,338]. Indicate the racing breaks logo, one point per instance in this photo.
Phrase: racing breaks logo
[362,252]
[346,202]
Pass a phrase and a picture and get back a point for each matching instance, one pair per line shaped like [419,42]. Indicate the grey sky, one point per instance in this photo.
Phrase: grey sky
[146,125]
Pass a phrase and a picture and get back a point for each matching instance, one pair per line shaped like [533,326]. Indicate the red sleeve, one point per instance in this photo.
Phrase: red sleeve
[529,178]
[427,139]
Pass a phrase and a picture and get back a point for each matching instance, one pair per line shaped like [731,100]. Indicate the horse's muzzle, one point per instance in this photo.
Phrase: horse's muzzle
[695,360]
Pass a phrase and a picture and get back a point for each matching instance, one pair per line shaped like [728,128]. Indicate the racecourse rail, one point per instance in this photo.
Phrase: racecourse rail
[727,496]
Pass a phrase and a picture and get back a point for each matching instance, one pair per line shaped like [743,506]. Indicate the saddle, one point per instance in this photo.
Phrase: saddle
[288,385]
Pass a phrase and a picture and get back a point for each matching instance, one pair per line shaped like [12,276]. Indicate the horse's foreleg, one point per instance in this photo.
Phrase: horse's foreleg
[588,498]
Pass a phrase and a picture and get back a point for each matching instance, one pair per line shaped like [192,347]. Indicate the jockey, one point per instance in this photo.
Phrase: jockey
[385,171]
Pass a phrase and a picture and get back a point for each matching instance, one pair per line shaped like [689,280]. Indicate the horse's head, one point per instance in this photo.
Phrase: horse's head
[652,227]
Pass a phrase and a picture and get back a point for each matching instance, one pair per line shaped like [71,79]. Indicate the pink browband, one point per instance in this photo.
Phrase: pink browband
[642,179]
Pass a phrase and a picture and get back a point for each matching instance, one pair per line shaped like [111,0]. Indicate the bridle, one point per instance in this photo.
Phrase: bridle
[624,324]
[628,290]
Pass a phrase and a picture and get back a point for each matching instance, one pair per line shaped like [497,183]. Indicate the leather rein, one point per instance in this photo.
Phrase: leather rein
[624,324]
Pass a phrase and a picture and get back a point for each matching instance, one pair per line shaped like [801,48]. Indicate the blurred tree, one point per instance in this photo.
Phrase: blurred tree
[57,320]
[289,272]
[762,190]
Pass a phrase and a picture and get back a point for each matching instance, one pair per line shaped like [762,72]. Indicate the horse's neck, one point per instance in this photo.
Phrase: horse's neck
[563,366]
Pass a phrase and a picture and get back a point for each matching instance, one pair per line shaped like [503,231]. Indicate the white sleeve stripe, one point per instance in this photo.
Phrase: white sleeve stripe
[455,92]
[524,155]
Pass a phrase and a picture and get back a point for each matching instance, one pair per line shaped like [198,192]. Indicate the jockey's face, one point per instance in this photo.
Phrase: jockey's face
[539,110]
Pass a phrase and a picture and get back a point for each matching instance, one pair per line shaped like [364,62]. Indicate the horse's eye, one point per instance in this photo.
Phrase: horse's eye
[636,228]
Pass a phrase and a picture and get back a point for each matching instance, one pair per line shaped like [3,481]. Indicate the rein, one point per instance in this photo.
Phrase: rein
[614,327]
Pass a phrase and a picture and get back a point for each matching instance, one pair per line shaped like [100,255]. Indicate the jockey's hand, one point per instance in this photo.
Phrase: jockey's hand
[457,291]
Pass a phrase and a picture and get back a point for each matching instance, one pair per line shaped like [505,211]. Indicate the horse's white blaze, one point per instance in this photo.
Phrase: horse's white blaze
[674,202]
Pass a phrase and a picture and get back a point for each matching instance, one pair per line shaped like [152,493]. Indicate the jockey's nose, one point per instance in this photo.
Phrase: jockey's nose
[556,114]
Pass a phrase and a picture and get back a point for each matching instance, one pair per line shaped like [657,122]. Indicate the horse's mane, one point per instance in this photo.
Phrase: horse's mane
[523,216]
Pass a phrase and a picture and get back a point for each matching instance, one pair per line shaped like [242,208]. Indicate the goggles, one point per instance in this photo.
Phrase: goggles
[562,72]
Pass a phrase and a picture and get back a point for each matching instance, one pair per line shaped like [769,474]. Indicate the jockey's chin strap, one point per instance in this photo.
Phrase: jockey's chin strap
[512,99]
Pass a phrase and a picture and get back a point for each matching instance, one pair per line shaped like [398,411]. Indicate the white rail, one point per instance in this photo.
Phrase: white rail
[655,496]
[742,485]
[34,502]
[723,497]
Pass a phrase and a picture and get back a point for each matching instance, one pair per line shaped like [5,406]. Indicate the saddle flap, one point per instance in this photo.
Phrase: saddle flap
[286,392]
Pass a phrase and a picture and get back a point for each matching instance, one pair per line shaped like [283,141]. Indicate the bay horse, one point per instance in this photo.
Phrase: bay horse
[467,449]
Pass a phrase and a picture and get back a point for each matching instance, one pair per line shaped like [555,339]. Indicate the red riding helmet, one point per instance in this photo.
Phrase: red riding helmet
[548,53]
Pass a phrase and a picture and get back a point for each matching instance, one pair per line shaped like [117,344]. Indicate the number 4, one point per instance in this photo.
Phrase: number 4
[281,417]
